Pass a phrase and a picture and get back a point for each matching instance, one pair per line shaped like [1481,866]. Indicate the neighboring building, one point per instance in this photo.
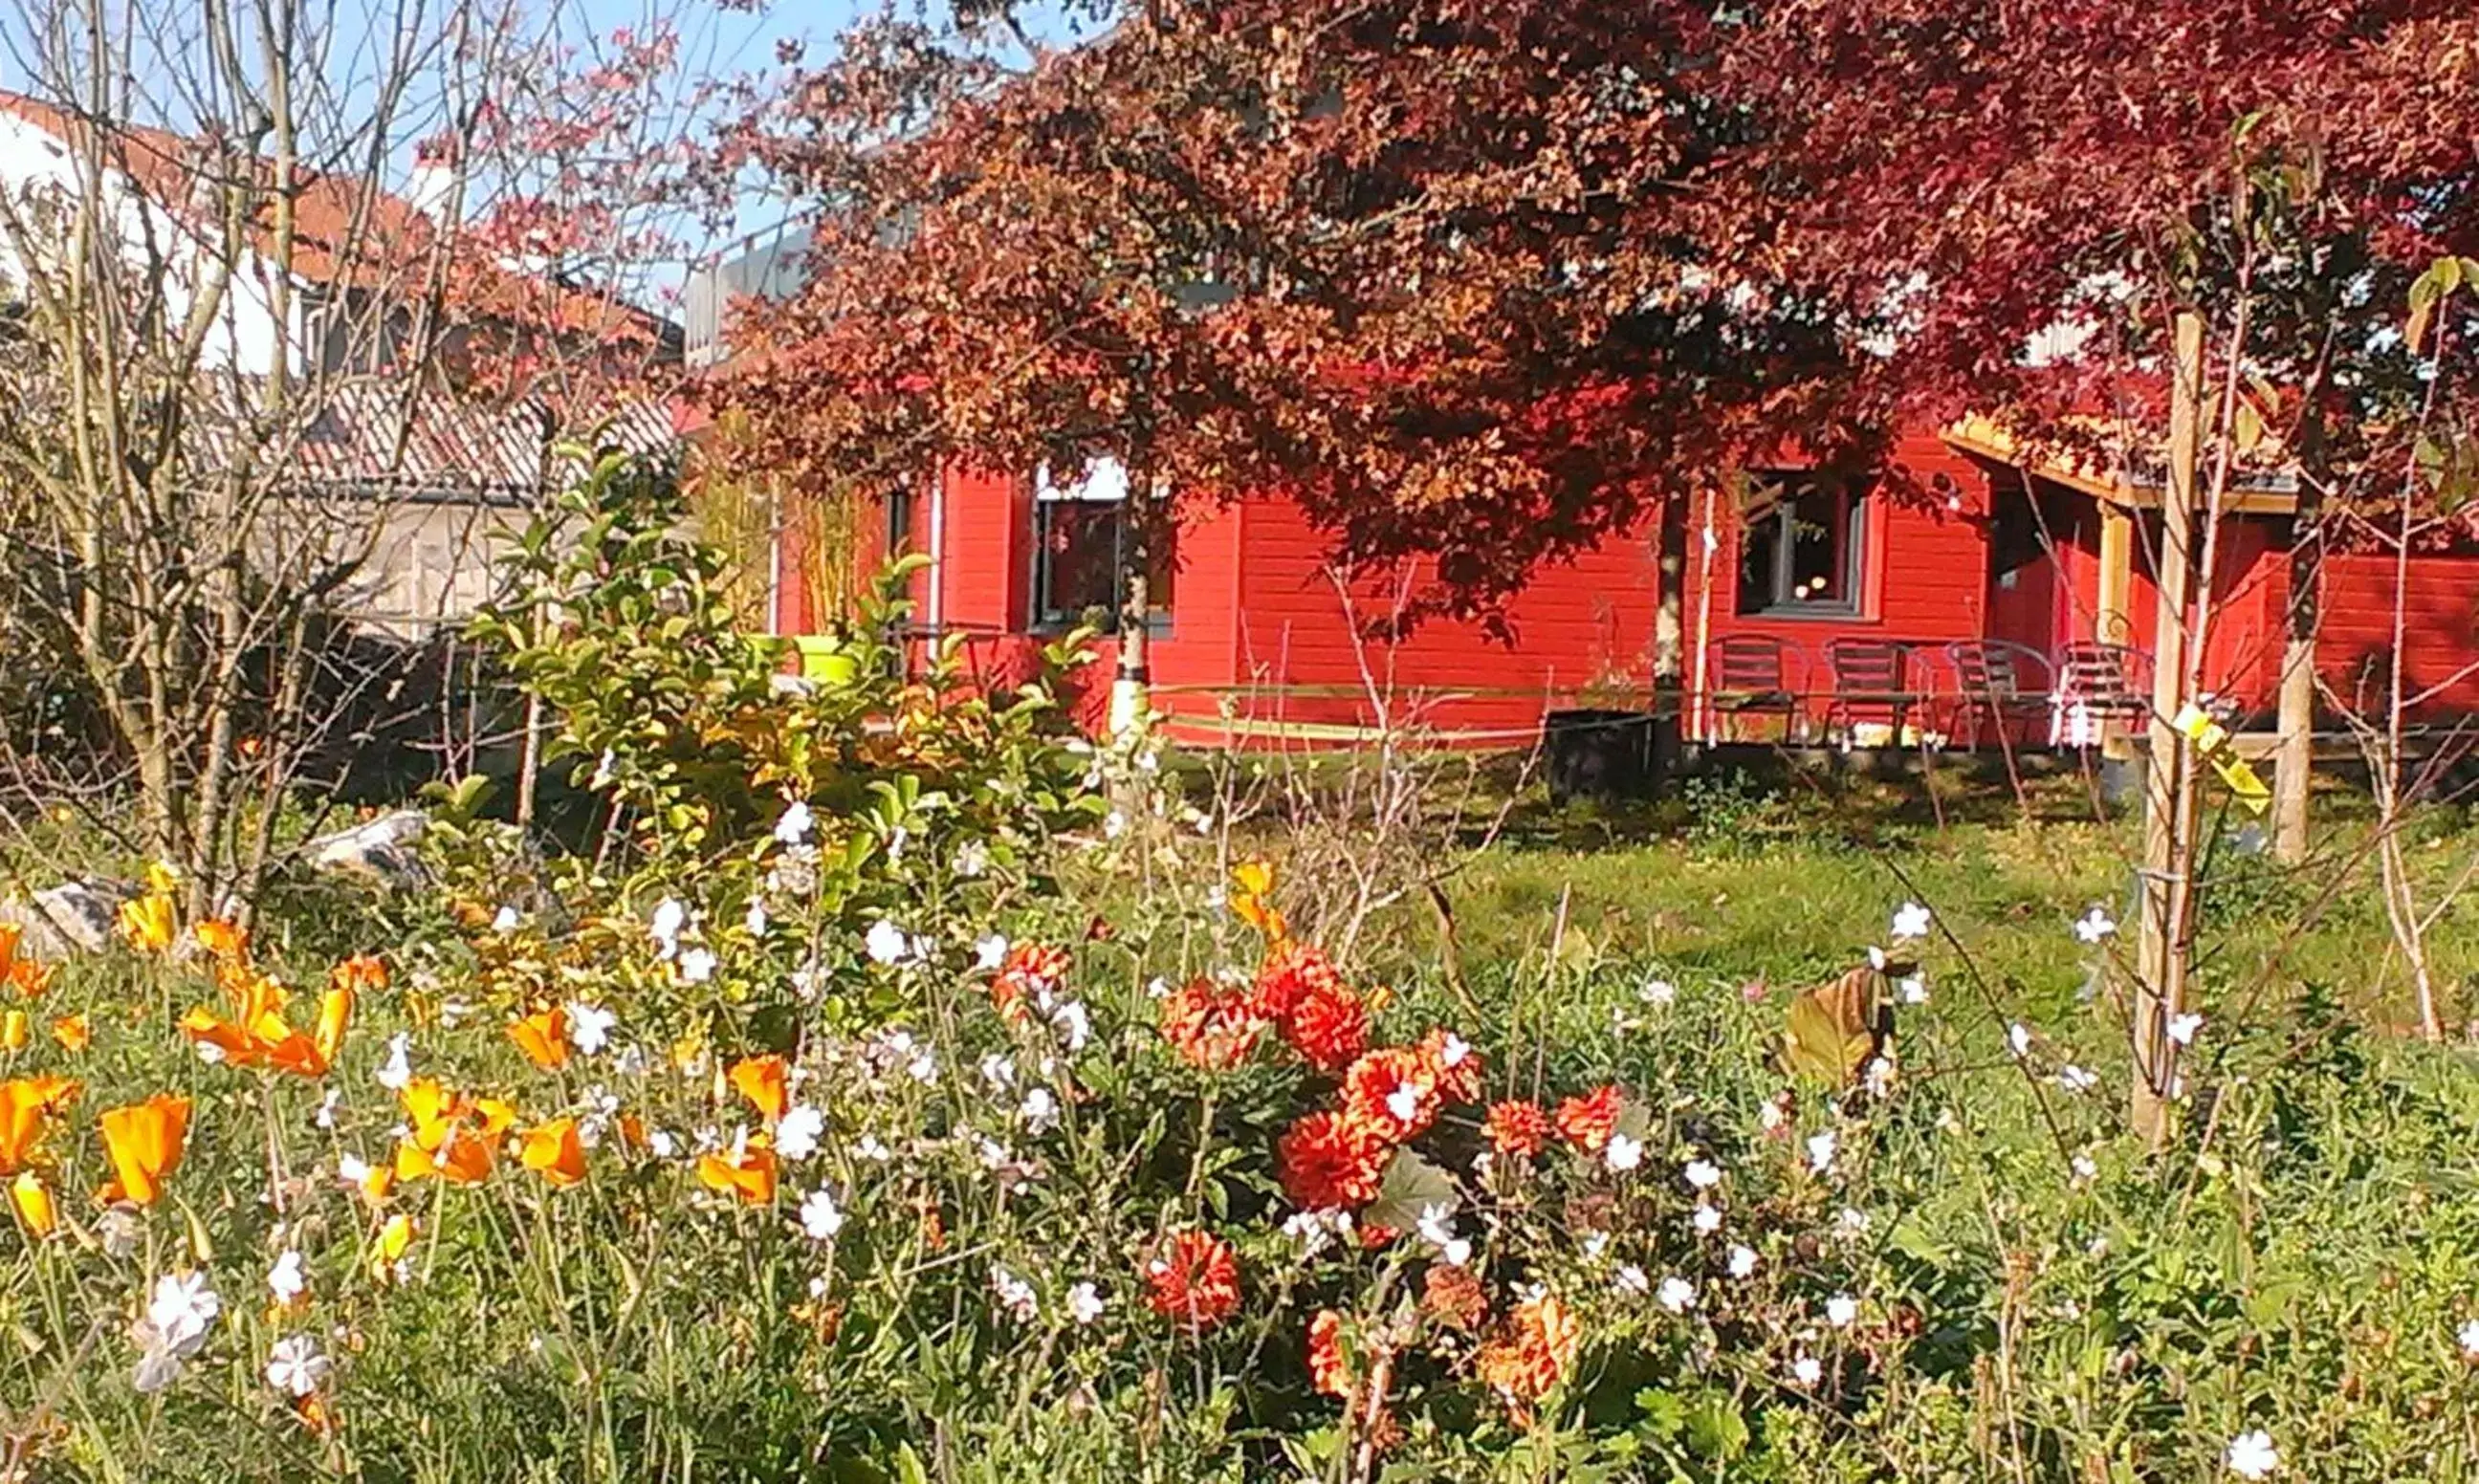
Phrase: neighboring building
[424,472]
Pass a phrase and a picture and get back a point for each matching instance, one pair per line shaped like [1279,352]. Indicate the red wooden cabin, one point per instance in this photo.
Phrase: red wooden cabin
[1884,615]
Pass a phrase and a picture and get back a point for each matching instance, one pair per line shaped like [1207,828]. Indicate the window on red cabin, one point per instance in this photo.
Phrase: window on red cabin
[1801,551]
[1081,549]
[898,520]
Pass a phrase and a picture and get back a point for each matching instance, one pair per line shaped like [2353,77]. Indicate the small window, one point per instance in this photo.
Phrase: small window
[1801,552]
[1081,551]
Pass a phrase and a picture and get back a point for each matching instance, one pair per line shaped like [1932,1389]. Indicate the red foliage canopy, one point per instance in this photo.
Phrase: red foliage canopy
[1483,280]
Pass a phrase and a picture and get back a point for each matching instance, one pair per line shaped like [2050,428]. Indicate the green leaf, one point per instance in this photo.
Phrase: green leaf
[1819,1046]
[1409,1186]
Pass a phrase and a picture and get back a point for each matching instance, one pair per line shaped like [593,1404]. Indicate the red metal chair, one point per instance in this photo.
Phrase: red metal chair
[1996,679]
[1871,674]
[1750,674]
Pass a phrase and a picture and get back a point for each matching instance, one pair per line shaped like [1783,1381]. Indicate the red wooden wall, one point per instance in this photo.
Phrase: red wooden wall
[2439,650]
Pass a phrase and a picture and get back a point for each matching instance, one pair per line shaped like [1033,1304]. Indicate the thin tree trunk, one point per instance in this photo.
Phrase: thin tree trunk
[2170,800]
[1669,635]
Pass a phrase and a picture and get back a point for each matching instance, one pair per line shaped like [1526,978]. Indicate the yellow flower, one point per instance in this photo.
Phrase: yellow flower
[226,943]
[147,922]
[34,1204]
[394,1241]
[553,1151]
[453,1136]
[73,1033]
[765,1081]
[144,1141]
[1251,882]
[335,1012]
[12,1031]
[746,1171]
[257,1033]
[543,1037]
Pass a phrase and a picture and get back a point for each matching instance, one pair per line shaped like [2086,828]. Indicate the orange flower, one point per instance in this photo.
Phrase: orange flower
[144,1141]
[1394,1090]
[1329,1367]
[1291,973]
[11,936]
[1453,1296]
[1517,1127]
[1194,1282]
[31,977]
[73,1033]
[1329,1160]
[27,1105]
[1531,1353]
[1210,1028]
[553,1151]
[766,1081]
[34,1204]
[543,1037]
[1588,1122]
[1251,882]
[225,943]
[1329,1028]
[362,973]
[256,1034]
[451,1137]
[1029,969]
[335,1013]
[746,1171]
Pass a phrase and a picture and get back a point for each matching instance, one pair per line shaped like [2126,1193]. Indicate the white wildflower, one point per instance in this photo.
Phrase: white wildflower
[871,1149]
[989,952]
[2074,1079]
[669,917]
[1707,1219]
[1807,1370]
[507,919]
[1657,991]
[820,1216]
[1631,1279]
[972,858]
[285,1280]
[180,1311]
[589,1027]
[1743,1260]
[2252,1455]
[1404,1103]
[794,827]
[1676,1295]
[998,1069]
[1075,1028]
[1039,1111]
[1912,989]
[1910,922]
[1821,1149]
[1015,1295]
[1622,1153]
[397,1069]
[325,1116]
[1704,1174]
[755,919]
[887,943]
[1084,1303]
[2019,1037]
[797,1132]
[697,965]
[2469,1337]
[295,1367]
[1852,1220]
[2183,1028]
[2095,925]
[1840,1310]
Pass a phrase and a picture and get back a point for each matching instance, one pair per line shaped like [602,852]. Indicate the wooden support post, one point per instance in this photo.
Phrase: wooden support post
[1669,635]
[2114,622]
[2295,766]
[2169,817]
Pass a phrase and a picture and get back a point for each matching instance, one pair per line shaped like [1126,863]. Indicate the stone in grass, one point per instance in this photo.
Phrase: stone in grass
[380,849]
[71,917]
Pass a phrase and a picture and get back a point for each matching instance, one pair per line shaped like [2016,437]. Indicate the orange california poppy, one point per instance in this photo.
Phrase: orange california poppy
[147,922]
[766,1081]
[453,1136]
[1251,882]
[144,1141]
[256,1034]
[226,943]
[361,973]
[553,1151]
[748,1171]
[11,935]
[33,1203]
[31,977]
[543,1037]
[27,1105]
[73,1031]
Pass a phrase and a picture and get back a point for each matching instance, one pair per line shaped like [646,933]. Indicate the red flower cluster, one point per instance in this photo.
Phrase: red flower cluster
[1517,1126]
[1299,990]
[1211,1027]
[1329,1368]
[1029,969]
[1587,1122]
[1329,1160]
[1195,1281]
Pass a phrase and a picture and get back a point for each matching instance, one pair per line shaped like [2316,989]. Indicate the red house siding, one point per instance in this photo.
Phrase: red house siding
[2439,632]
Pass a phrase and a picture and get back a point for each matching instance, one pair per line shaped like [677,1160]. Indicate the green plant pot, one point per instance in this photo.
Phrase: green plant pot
[826,660]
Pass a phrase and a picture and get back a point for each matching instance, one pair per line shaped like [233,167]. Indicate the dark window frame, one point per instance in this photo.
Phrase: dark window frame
[1049,614]
[1849,523]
